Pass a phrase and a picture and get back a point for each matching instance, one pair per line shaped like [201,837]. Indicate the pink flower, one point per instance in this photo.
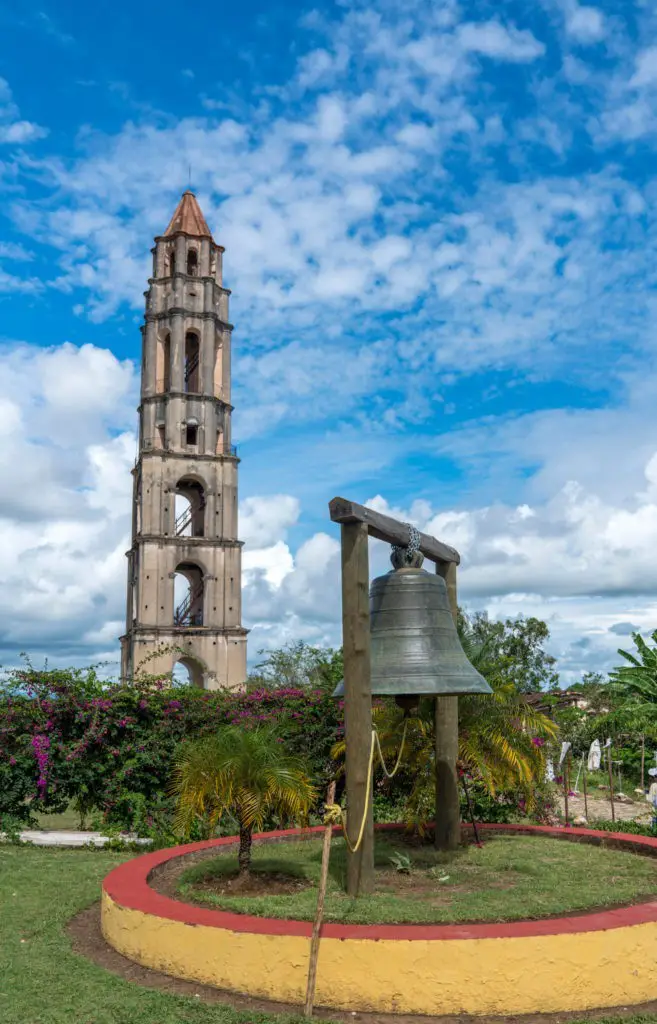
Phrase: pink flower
[40,745]
[537,741]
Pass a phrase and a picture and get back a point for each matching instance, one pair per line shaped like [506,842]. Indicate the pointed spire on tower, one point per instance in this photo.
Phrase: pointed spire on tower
[188,218]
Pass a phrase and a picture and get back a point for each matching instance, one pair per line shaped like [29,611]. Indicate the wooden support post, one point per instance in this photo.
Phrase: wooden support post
[611,785]
[586,794]
[448,805]
[566,785]
[357,702]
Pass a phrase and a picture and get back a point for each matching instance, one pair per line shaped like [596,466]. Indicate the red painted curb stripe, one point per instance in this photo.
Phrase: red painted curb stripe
[128,886]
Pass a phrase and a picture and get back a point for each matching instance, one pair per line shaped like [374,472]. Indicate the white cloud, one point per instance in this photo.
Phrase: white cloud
[64,501]
[585,24]
[492,39]
[645,69]
[13,251]
[264,521]
[22,131]
[12,128]
[13,284]
[582,557]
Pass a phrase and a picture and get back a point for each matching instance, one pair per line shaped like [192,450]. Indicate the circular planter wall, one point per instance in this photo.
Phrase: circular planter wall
[582,962]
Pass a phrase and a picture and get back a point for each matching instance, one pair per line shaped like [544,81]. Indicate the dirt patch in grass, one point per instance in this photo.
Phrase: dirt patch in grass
[87,940]
[261,883]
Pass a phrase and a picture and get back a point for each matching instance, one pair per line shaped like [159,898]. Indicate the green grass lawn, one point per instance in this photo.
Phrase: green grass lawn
[43,982]
[68,819]
[511,877]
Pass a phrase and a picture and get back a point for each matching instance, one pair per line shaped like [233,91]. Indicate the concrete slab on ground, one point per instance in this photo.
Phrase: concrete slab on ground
[54,837]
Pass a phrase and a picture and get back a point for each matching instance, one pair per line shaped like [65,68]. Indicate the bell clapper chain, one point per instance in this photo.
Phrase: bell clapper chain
[408,556]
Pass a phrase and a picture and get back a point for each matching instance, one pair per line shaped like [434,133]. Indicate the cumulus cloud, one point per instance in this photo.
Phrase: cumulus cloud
[495,40]
[645,68]
[585,24]
[13,129]
[351,241]
[583,560]
[64,498]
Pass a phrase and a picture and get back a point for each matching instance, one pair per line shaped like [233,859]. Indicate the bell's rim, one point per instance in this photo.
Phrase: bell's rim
[425,686]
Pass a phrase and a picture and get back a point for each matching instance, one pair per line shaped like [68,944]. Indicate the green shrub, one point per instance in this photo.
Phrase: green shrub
[67,736]
[634,828]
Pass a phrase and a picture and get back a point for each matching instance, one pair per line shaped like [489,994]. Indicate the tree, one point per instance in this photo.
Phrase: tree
[633,687]
[243,772]
[514,650]
[299,665]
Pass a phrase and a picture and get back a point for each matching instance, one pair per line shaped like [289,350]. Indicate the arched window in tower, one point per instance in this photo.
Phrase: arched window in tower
[190,508]
[192,360]
[172,263]
[188,671]
[188,595]
[192,263]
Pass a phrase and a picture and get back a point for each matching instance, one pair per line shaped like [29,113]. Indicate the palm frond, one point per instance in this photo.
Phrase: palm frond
[244,772]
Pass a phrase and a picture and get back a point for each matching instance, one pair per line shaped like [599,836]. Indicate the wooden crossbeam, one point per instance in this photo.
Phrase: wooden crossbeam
[390,530]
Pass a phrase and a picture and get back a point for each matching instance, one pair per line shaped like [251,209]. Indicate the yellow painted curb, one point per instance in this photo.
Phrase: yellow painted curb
[475,969]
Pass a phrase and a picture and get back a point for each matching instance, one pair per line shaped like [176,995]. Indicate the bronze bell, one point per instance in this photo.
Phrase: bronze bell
[415,647]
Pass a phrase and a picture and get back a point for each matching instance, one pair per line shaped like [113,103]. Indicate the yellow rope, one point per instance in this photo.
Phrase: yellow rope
[391,775]
[335,815]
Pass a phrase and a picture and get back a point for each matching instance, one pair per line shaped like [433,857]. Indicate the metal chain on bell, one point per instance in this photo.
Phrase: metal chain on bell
[407,556]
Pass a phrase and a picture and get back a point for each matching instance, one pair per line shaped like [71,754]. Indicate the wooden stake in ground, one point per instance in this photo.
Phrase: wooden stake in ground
[611,784]
[470,811]
[643,762]
[565,786]
[448,804]
[586,802]
[357,703]
[319,914]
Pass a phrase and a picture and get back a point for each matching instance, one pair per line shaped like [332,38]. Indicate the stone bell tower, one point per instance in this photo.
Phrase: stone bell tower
[184,566]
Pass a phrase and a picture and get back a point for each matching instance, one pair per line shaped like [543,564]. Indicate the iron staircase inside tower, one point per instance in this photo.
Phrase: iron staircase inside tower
[183,615]
[190,367]
[183,520]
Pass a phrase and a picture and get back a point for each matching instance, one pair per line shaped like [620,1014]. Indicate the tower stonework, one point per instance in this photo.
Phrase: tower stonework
[186,458]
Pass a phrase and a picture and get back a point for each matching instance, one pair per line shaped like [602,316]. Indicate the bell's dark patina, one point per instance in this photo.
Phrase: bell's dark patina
[415,648]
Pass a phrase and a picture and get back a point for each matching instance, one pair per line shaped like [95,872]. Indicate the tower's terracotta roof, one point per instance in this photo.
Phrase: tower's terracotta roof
[187,217]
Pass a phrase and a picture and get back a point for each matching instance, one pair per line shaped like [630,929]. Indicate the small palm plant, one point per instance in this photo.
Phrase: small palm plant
[243,772]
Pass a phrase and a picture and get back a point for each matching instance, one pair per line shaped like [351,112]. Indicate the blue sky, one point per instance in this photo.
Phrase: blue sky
[439,234]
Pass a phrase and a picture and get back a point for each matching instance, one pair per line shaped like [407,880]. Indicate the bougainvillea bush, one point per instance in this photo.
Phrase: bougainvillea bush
[67,737]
